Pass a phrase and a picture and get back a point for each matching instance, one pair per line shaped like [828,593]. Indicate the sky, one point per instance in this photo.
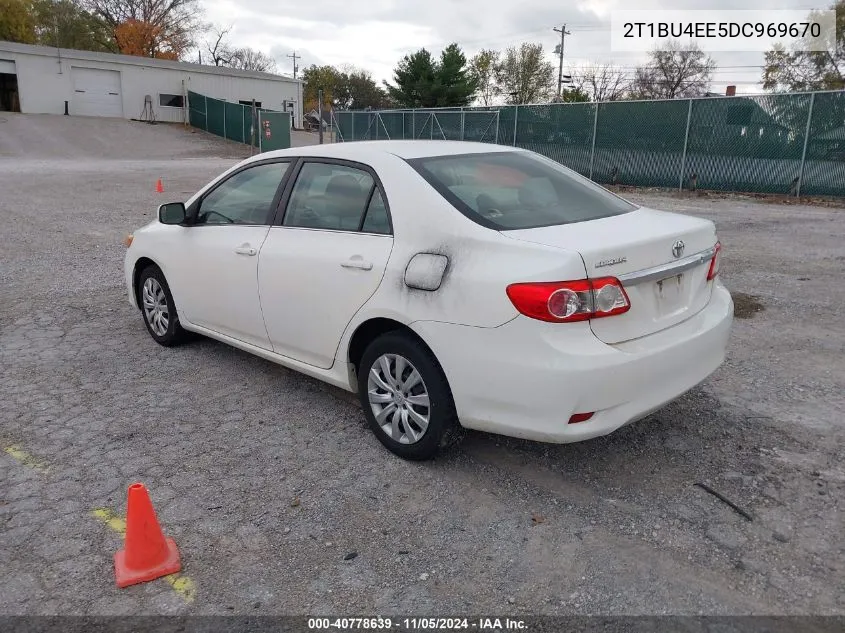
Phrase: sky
[375,34]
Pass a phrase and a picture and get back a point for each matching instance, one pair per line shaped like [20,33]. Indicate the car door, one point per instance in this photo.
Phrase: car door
[324,258]
[218,288]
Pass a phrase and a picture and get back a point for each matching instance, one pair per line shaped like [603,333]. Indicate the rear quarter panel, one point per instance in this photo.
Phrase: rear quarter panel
[481,261]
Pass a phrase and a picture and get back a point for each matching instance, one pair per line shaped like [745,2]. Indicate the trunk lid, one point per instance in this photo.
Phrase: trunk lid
[629,245]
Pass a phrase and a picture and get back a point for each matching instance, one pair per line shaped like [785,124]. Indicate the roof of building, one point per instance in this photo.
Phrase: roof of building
[68,53]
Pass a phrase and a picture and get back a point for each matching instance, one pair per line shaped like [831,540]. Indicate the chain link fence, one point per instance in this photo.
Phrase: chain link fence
[451,125]
[784,144]
[258,127]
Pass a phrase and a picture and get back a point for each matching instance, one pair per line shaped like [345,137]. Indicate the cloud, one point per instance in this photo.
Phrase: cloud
[375,34]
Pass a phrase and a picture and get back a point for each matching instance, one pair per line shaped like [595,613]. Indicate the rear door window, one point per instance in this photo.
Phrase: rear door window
[330,196]
[376,219]
[517,190]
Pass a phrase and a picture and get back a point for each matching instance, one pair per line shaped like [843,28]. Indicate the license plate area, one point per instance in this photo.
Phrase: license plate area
[669,293]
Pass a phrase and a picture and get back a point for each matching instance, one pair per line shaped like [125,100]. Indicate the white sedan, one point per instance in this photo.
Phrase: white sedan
[449,284]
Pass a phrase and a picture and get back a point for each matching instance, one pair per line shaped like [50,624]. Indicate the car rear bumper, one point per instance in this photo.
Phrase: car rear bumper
[527,378]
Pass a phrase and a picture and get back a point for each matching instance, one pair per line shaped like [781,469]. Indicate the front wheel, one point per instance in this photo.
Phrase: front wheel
[158,308]
[406,397]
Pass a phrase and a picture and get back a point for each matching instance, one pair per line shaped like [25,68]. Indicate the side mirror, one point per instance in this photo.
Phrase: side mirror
[172,213]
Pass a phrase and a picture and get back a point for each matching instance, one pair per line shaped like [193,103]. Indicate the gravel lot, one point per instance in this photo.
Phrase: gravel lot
[268,480]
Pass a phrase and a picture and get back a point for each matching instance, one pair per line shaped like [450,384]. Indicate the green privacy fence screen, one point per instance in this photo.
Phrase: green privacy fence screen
[785,143]
[235,122]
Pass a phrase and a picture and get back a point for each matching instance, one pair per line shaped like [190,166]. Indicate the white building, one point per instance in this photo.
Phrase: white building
[45,80]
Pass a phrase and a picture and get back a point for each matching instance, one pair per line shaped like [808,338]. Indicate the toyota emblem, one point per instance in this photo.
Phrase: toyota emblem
[678,248]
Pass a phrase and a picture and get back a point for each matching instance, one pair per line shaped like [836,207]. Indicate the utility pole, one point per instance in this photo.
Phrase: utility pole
[559,49]
[320,112]
[295,67]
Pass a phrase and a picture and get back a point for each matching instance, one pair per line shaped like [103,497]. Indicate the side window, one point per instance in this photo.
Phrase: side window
[328,196]
[376,220]
[244,198]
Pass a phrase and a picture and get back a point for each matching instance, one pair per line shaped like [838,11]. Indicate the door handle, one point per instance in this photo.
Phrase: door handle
[246,249]
[357,262]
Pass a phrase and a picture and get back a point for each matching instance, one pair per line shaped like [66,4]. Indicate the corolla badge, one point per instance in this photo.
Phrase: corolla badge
[611,262]
[678,248]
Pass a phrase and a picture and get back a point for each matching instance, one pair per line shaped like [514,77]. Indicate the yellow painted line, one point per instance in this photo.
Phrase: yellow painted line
[16,453]
[180,583]
[111,520]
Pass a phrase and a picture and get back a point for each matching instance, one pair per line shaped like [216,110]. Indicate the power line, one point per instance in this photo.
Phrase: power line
[498,38]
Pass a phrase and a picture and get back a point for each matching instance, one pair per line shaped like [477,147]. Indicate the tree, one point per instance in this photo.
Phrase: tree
[676,71]
[222,53]
[55,23]
[454,83]
[143,39]
[414,77]
[160,27]
[247,58]
[17,22]
[483,68]
[358,91]
[603,82]
[66,24]
[218,49]
[572,95]
[800,70]
[421,81]
[316,78]
[348,89]
[524,75]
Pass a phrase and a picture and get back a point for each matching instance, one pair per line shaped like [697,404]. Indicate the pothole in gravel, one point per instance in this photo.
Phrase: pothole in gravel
[746,306]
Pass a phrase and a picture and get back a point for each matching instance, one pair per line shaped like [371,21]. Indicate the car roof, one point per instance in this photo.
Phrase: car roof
[403,149]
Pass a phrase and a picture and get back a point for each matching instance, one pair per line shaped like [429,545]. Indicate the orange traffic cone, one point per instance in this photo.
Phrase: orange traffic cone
[147,554]
[159,186]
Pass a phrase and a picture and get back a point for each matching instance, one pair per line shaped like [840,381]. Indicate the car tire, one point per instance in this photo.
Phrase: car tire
[154,298]
[395,411]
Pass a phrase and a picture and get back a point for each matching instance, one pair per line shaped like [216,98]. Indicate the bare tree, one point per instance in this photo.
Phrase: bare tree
[222,53]
[250,59]
[603,82]
[676,71]
[524,75]
[219,50]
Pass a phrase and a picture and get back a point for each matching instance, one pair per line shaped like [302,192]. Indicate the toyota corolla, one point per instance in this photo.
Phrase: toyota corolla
[449,284]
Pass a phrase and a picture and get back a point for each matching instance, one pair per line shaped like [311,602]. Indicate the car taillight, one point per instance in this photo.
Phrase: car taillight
[567,301]
[715,262]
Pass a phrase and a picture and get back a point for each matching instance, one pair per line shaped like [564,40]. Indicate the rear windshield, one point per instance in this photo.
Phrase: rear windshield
[517,190]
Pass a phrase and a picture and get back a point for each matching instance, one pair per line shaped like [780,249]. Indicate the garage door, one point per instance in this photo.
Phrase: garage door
[96,92]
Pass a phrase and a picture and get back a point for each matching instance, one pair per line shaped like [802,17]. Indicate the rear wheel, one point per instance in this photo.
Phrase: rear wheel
[406,397]
[158,308]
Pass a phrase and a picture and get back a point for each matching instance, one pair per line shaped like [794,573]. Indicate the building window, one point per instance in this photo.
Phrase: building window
[249,103]
[171,101]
